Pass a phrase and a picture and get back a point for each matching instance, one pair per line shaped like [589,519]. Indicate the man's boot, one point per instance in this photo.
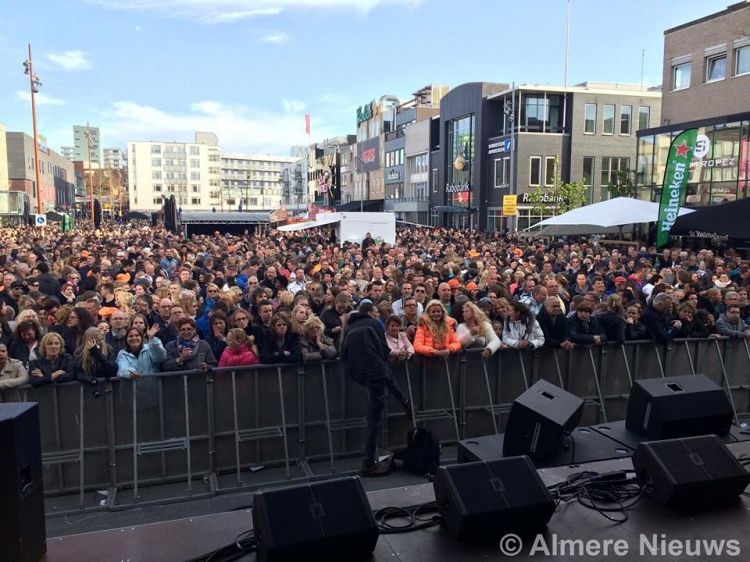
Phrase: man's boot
[373,468]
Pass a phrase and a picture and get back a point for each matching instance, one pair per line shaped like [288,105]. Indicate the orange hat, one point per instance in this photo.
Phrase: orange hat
[471,285]
[85,254]
[453,283]
[473,253]
[122,278]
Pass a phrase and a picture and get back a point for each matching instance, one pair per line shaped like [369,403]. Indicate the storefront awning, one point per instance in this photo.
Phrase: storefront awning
[451,210]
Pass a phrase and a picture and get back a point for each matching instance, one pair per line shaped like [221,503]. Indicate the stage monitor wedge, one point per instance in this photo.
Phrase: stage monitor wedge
[539,420]
[481,501]
[318,521]
[674,407]
[22,524]
[692,473]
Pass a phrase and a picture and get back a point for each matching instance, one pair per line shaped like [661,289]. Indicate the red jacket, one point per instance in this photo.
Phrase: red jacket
[238,357]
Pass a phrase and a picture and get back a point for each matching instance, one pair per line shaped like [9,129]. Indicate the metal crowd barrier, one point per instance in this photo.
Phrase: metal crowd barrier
[202,433]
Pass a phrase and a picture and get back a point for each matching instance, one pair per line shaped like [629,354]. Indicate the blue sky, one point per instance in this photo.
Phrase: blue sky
[249,70]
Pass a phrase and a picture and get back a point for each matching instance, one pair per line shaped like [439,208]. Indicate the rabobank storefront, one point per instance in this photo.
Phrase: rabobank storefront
[720,170]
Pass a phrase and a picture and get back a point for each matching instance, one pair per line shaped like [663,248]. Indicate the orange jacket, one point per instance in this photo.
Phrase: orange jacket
[424,343]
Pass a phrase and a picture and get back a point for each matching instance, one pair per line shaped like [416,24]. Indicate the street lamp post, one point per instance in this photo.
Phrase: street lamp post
[34,83]
[509,108]
[89,143]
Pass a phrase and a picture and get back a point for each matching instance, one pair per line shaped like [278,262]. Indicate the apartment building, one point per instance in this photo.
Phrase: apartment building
[81,144]
[189,171]
[252,181]
[706,86]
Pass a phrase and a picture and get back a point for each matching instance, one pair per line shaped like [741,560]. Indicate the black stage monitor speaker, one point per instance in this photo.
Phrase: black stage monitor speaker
[690,473]
[672,407]
[22,527]
[482,501]
[319,521]
[539,420]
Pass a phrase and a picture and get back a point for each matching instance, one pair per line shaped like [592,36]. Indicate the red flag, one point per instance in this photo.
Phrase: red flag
[307,123]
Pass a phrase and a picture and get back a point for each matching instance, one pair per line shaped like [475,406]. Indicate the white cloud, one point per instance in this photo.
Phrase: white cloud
[70,60]
[276,38]
[41,99]
[229,11]
[293,106]
[239,129]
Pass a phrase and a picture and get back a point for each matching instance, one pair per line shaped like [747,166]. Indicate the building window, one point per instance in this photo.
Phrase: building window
[195,150]
[435,178]
[157,200]
[549,171]
[535,170]
[195,163]
[644,117]
[742,61]
[155,149]
[610,166]
[157,187]
[502,172]
[588,176]
[195,176]
[626,119]
[196,189]
[589,124]
[195,201]
[156,175]
[716,67]
[156,162]
[681,76]
[609,120]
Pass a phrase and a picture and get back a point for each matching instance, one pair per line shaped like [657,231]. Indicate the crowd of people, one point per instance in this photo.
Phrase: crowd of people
[132,300]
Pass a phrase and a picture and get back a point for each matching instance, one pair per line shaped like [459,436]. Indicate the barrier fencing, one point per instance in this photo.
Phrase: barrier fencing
[194,426]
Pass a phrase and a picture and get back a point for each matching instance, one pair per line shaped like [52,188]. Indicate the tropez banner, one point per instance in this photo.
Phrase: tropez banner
[675,181]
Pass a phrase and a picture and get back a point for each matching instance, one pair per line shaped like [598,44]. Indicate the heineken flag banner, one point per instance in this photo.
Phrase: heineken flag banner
[675,181]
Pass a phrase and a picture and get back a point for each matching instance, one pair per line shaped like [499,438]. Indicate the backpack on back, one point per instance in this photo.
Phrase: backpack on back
[422,453]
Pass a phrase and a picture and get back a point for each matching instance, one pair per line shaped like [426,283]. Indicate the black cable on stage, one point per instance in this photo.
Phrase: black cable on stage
[243,544]
[411,514]
[612,492]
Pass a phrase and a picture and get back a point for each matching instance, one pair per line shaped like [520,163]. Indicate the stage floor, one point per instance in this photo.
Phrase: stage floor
[649,525]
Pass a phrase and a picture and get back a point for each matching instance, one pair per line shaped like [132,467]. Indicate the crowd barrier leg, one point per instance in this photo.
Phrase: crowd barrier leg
[210,381]
[492,409]
[283,423]
[453,402]
[598,386]
[439,413]
[187,436]
[559,371]
[658,359]
[135,443]
[329,429]
[727,388]
[111,452]
[627,364]
[690,356]
[523,370]
[301,446]
[411,396]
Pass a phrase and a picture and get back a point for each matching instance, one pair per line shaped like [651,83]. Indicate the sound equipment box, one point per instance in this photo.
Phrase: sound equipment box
[318,521]
[539,420]
[22,526]
[482,501]
[672,407]
[690,473]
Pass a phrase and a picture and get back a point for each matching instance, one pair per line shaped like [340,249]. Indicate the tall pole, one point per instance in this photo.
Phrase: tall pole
[567,45]
[36,137]
[643,62]
[91,177]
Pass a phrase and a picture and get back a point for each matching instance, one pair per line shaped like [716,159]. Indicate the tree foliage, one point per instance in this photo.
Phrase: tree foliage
[558,198]
[623,186]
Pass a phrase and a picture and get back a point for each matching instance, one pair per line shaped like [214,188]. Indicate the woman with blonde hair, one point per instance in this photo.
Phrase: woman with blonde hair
[476,331]
[125,301]
[94,359]
[314,344]
[435,336]
[52,363]
[285,299]
[300,315]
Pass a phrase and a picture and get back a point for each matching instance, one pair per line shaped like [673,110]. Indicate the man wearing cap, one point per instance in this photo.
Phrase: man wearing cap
[48,285]
[620,285]
[12,294]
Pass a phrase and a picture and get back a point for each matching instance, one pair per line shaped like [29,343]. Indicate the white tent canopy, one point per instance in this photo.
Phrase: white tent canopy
[607,217]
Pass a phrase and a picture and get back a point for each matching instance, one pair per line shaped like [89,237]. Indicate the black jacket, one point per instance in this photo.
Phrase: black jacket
[105,366]
[48,285]
[658,325]
[115,343]
[583,332]
[636,331]
[69,335]
[555,329]
[364,350]
[272,352]
[63,361]
[613,325]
